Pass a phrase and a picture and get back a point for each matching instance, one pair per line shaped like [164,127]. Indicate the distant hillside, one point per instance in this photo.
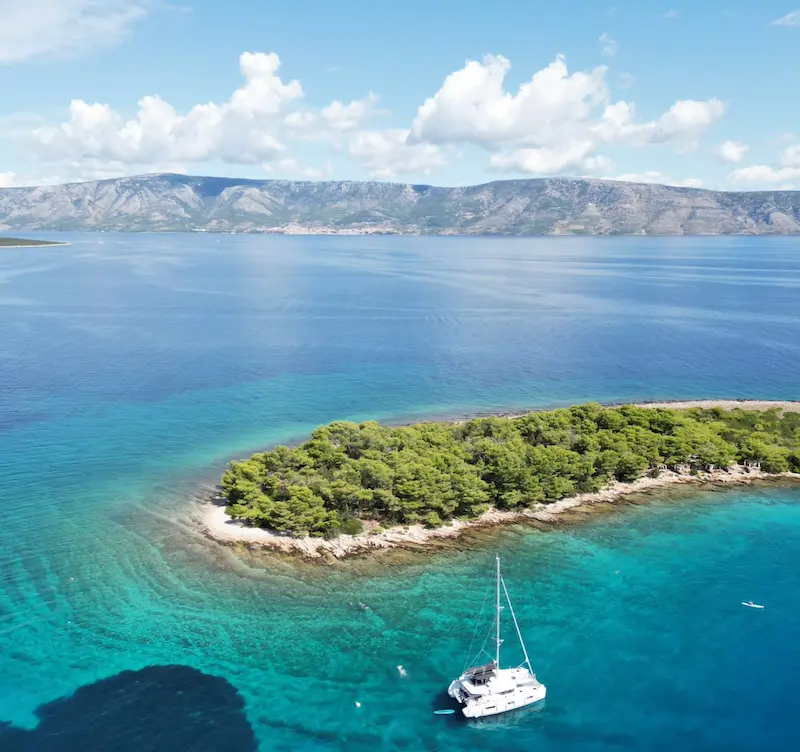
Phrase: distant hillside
[509,207]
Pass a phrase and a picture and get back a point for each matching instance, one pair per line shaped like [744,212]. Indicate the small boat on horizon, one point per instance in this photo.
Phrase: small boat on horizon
[489,689]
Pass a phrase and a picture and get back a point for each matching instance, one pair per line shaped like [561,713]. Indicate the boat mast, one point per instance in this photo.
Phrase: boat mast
[499,607]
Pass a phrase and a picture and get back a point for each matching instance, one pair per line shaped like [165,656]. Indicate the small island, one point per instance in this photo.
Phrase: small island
[354,479]
[26,242]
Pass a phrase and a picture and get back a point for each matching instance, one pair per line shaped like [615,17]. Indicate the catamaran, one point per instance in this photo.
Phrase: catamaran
[488,689]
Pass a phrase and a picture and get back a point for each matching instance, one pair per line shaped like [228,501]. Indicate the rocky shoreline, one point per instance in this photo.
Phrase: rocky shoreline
[225,530]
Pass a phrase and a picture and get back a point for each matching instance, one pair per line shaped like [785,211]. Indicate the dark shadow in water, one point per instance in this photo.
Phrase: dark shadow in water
[170,708]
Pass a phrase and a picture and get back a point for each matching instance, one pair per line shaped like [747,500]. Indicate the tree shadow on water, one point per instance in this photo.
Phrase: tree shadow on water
[170,708]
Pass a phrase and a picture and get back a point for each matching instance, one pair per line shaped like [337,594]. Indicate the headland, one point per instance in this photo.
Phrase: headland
[353,488]
[27,243]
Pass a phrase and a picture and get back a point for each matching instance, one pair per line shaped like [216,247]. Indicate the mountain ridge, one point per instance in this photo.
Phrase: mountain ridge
[535,206]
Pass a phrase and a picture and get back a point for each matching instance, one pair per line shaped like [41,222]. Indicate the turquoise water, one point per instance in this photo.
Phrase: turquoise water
[133,367]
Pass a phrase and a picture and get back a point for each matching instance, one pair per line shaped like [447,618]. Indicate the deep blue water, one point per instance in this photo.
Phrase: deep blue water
[133,367]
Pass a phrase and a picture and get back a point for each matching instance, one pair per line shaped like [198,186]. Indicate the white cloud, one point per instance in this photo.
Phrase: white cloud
[765,174]
[472,104]
[251,127]
[18,124]
[791,156]
[332,121]
[289,165]
[650,176]
[732,151]
[388,153]
[317,173]
[686,119]
[300,120]
[790,19]
[555,121]
[787,170]
[41,28]
[608,46]
[568,157]
[348,117]
[243,130]
[654,176]
[76,172]
[671,14]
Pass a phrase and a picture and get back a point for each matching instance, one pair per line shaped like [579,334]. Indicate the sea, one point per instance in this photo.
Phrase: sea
[133,367]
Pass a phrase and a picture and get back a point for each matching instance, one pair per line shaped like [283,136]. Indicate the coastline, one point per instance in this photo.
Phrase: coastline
[225,530]
[32,245]
[788,406]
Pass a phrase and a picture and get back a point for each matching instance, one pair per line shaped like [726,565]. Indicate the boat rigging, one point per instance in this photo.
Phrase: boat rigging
[489,689]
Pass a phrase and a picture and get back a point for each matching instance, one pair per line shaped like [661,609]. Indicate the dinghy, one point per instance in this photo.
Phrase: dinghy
[750,604]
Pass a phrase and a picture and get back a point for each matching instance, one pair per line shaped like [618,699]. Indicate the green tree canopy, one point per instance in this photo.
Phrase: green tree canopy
[433,472]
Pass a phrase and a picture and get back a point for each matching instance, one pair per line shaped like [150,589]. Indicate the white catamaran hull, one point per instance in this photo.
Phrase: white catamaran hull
[480,707]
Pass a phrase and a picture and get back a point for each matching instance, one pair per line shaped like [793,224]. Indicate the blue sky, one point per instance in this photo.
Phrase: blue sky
[446,92]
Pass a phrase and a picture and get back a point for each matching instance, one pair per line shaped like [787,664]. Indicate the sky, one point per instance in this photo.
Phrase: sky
[443,92]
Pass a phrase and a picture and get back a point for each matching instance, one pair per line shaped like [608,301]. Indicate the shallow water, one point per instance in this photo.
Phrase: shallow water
[133,367]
